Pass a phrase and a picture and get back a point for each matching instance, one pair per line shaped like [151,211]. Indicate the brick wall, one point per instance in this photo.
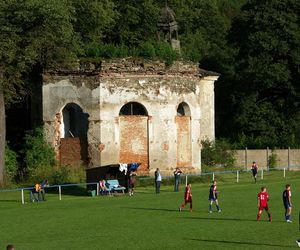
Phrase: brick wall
[134,141]
[70,151]
[183,141]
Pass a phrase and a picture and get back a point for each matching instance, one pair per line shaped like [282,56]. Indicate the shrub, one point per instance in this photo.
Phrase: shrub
[147,50]
[11,163]
[217,154]
[68,174]
[162,50]
[165,52]
[38,153]
[272,161]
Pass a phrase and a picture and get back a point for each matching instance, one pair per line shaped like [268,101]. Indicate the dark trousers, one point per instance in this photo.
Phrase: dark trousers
[157,187]
[177,182]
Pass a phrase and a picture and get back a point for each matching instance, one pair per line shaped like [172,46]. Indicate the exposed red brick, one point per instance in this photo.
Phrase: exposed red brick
[184,158]
[70,151]
[101,147]
[165,146]
[134,141]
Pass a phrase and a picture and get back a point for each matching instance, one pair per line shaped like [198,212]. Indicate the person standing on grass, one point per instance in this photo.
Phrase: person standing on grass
[158,179]
[213,197]
[187,198]
[132,176]
[177,174]
[287,202]
[263,198]
[254,169]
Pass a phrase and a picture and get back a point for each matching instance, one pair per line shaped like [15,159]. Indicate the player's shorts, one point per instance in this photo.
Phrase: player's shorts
[263,208]
[212,198]
[189,200]
[287,205]
[254,172]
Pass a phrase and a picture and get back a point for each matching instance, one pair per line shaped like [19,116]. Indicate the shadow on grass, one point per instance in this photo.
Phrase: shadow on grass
[230,219]
[10,201]
[153,209]
[239,243]
[71,191]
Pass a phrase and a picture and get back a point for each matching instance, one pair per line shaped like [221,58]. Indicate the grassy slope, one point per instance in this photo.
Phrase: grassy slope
[149,221]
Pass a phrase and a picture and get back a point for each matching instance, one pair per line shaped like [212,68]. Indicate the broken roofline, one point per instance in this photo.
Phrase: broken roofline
[132,65]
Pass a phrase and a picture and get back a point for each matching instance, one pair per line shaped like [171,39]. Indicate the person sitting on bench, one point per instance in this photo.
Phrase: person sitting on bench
[102,187]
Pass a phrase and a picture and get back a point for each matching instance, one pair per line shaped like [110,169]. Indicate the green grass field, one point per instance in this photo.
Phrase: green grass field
[150,221]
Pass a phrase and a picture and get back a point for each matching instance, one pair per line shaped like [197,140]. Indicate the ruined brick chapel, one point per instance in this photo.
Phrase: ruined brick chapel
[131,110]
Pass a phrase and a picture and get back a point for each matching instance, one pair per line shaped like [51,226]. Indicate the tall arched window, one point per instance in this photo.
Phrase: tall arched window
[75,122]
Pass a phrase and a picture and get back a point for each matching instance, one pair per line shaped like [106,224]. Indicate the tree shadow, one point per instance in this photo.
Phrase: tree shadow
[238,243]
[231,219]
[153,209]
[14,201]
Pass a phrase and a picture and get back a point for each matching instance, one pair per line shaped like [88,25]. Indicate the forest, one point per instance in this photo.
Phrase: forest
[253,44]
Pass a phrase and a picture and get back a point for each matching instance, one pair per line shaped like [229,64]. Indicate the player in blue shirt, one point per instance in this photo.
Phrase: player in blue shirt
[213,196]
[287,202]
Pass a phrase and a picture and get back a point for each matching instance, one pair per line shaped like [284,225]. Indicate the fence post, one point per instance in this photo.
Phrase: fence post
[237,176]
[97,188]
[59,192]
[186,180]
[262,174]
[268,167]
[213,176]
[289,159]
[22,193]
[246,158]
[284,173]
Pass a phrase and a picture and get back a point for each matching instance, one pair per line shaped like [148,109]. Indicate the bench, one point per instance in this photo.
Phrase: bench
[114,186]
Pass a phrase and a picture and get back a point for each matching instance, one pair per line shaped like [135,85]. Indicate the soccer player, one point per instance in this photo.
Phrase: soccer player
[187,197]
[213,196]
[287,203]
[263,198]
[254,169]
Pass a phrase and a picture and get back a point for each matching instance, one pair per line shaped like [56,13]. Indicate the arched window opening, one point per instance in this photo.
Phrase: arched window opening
[75,122]
[183,109]
[133,108]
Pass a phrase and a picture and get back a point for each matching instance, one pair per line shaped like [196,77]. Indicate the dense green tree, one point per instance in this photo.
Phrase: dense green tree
[266,98]
[93,19]
[33,34]
[136,22]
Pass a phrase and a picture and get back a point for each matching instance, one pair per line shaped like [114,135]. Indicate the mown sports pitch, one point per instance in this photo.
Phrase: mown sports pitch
[150,221]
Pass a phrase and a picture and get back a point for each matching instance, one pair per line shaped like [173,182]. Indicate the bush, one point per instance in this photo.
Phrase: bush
[38,153]
[272,161]
[217,153]
[106,50]
[68,174]
[164,51]
[147,50]
[11,163]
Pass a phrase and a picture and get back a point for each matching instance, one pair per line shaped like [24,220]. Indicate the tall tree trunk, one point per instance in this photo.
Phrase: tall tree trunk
[2,132]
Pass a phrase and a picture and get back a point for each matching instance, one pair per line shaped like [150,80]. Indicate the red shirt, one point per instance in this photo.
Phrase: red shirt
[188,193]
[263,199]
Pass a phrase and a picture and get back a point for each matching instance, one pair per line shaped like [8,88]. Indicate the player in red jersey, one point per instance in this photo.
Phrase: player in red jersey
[187,197]
[263,198]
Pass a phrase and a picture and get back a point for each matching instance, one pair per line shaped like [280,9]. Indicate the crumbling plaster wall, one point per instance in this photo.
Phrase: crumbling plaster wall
[160,89]
[160,95]
[58,91]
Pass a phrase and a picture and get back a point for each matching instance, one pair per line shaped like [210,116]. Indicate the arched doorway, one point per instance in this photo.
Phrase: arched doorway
[183,124]
[74,128]
[133,124]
